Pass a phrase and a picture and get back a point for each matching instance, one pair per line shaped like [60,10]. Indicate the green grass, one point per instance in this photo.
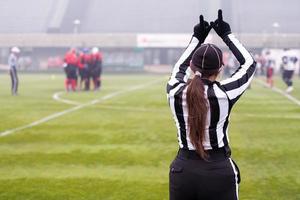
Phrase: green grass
[121,148]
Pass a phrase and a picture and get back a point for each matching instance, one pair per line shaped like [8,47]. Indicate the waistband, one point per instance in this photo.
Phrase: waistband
[214,154]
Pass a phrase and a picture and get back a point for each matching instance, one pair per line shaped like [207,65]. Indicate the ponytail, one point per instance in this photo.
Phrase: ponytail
[197,109]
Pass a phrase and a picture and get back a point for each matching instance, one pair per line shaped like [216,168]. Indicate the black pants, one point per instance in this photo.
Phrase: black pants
[71,72]
[287,77]
[96,75]
[83,73]
[14,80]
[192,178]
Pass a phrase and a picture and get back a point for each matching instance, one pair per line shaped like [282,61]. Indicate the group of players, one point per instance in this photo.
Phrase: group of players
[267,63]
[87,65]
[288,65]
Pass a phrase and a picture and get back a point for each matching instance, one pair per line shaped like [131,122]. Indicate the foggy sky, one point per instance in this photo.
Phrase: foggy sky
[148,16]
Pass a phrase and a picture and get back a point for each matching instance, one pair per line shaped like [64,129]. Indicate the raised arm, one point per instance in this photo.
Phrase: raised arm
[179,73]
[242,77]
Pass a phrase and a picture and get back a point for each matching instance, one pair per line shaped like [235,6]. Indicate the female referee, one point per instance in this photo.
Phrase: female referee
[203,169]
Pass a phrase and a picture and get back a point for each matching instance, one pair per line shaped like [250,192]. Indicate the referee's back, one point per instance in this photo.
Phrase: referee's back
[191,176]
[221,96]
[201,106]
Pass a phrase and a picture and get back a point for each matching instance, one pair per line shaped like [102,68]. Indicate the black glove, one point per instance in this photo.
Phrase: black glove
[202,29]
[222,28]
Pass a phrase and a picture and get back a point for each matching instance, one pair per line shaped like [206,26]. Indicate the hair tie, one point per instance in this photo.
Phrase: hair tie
[197,73]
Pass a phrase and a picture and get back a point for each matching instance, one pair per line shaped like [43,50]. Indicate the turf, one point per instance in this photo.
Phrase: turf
[121,147]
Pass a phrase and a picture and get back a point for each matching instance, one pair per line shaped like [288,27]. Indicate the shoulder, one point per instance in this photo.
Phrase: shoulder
[177,89]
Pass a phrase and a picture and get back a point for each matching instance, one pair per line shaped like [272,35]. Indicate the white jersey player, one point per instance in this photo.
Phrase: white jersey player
[289,64]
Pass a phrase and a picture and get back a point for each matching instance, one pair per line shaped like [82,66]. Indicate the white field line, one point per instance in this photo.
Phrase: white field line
[56,97]
[137,109]
[275,89]
[78,107]
[141,109]
[274,116]
[131,109]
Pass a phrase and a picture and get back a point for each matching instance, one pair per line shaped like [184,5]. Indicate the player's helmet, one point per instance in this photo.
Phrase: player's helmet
[95,50]
[15,50]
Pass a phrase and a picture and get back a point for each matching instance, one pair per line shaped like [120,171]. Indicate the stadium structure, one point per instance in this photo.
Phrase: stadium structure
[134,35]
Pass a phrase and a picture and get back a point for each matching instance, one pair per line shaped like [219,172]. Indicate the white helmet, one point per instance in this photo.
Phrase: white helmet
[15,50]
[95,50]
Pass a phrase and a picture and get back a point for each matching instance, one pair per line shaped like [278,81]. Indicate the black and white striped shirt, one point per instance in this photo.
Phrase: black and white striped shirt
[221,95]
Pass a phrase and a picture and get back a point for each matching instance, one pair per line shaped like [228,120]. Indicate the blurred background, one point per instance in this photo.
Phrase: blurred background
[117,141]
[134,35]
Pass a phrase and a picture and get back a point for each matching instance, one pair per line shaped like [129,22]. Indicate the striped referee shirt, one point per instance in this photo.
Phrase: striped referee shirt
[221,95]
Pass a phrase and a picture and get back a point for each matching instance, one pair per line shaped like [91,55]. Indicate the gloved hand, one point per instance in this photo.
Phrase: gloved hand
[222,28]
[202,29]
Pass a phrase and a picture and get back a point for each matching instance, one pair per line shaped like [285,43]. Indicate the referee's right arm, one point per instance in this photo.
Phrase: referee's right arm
[179,74]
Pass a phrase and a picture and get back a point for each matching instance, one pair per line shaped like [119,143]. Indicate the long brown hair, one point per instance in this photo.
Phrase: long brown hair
[206,62]
[197,109]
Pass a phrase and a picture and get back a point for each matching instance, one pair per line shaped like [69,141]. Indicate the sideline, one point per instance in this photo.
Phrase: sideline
[275,89]
[78,107]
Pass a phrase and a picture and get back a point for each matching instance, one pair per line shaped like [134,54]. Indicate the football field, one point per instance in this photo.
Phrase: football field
[117,143]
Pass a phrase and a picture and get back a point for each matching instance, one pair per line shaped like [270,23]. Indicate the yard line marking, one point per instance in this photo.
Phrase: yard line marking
[274,116]
[128,108]
[56,97]
[78,107]
[141,109]
[275,89]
